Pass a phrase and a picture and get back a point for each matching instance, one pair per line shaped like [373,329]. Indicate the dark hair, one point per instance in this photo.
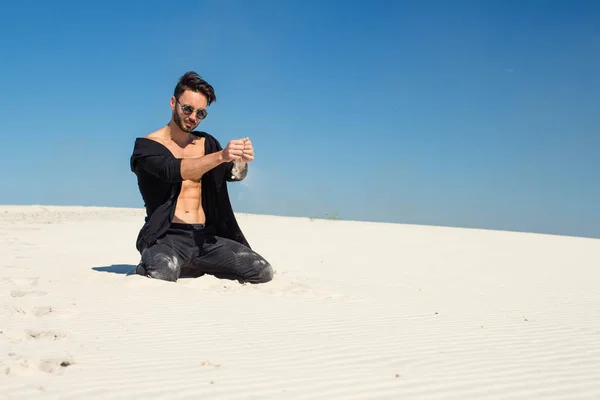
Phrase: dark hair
[194,82]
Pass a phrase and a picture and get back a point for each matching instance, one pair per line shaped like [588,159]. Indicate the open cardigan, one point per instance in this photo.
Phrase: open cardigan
[159,180]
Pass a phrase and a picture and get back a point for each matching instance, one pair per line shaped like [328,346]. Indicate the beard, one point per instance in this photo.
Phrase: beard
[181,123]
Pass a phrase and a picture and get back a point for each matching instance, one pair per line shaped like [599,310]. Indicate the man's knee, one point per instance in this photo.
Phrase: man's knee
[265,275]
[163,274]
[160,264]
[263,271]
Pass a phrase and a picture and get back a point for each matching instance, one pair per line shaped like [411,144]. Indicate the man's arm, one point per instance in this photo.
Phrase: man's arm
[165,168]
[171,169]
[193,168]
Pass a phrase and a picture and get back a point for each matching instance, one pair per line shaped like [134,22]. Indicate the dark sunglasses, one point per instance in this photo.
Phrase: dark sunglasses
[187,110]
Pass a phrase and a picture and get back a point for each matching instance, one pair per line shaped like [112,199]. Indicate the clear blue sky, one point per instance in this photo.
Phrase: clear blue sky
[473,114]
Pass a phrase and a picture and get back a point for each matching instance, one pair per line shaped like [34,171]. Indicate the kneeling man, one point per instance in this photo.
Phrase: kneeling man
[182,176]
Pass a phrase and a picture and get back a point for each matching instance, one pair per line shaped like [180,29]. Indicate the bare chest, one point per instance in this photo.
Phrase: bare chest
[192,150]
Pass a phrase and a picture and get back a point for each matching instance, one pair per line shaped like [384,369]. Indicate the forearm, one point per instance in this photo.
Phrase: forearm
[193,168]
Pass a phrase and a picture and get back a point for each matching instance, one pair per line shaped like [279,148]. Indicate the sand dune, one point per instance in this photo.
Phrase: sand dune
[356,311]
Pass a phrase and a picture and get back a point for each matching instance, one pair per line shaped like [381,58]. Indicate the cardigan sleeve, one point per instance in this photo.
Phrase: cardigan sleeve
[234,174]
[157,161]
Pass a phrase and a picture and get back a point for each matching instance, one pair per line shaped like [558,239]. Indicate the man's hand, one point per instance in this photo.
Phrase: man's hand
[234,150]
[248,152]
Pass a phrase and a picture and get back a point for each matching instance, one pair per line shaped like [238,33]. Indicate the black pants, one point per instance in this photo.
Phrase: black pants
[193,249]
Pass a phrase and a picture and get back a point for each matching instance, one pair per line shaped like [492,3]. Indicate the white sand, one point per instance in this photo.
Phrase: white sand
[356,311]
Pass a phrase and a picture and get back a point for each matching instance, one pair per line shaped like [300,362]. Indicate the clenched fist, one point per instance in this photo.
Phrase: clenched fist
[234,150]
[248,152]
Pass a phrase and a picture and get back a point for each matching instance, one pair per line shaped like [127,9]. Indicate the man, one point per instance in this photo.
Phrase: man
[182,176]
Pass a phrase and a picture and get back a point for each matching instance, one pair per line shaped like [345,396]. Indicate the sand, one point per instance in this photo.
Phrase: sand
[356,311]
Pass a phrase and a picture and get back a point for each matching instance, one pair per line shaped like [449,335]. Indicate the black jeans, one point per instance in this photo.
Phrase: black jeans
[193,249]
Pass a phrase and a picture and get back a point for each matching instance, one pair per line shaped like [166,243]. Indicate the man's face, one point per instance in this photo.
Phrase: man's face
[189,100]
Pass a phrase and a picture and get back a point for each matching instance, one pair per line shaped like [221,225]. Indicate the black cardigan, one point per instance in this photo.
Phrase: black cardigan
[159,181]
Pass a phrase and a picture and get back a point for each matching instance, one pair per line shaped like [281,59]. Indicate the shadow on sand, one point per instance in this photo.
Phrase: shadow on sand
[126,269]
[121,269]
